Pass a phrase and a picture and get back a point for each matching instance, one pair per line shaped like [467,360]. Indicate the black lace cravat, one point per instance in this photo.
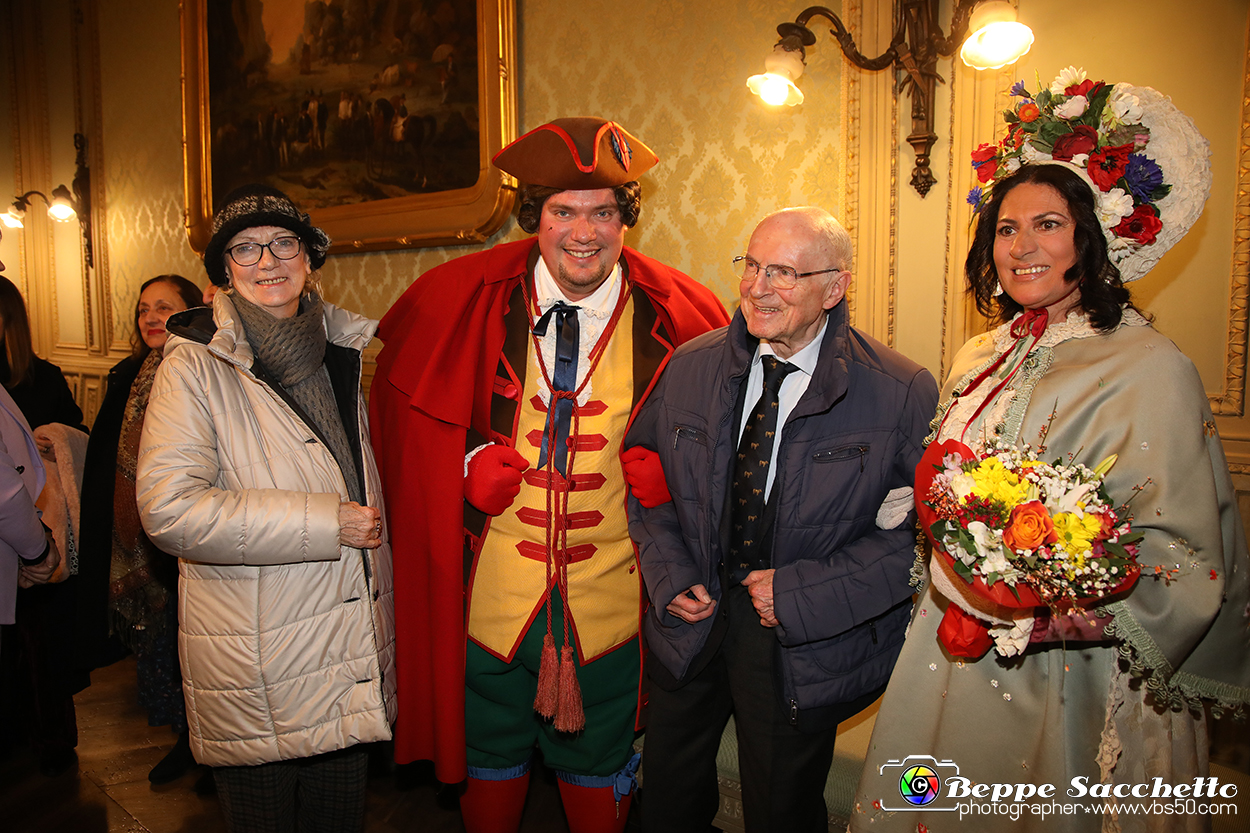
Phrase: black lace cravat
[755,451]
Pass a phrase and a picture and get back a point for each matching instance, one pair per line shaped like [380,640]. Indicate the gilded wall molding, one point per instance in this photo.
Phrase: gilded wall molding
[1231,400]
[76,50]
[952,186]
[852,113]
[893,263]
[875,145]
[30,26]
[88,117]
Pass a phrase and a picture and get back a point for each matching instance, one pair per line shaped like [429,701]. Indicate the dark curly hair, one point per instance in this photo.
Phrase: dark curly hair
[190,294]
[1102,294]
[628,200]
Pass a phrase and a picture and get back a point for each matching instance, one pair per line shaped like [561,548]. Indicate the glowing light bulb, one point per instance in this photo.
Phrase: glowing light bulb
[997,45]
[61,208]
[60,212]
[996,38]
[775,89]
[775,85]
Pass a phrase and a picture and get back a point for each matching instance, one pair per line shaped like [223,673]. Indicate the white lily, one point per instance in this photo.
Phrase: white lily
[989,542]
[1072,502]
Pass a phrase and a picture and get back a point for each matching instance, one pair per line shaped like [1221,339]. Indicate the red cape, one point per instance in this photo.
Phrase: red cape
[434,381]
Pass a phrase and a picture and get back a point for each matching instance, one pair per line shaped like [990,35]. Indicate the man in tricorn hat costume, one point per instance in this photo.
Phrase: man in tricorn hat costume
[499,408]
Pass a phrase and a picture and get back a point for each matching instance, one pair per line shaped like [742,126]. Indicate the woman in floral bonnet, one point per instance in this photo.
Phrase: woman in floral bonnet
[1088,188]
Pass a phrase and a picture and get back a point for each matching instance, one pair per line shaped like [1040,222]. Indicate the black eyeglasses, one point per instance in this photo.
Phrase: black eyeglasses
[781,277]
[249,254]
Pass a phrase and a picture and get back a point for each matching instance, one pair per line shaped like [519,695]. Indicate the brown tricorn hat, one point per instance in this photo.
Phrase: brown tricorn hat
[577,155]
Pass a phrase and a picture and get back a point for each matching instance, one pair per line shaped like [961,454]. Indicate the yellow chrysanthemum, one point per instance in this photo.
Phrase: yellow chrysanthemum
[995,483]
[1077,532]
[1076,564]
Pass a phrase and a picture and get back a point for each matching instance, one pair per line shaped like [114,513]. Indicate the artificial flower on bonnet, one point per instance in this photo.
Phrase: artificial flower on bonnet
[1096,129]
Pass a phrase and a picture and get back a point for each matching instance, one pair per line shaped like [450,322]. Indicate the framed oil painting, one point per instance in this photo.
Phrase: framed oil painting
[380,119]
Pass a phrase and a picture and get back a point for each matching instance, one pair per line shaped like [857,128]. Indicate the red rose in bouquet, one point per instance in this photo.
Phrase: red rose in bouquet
[1082,139]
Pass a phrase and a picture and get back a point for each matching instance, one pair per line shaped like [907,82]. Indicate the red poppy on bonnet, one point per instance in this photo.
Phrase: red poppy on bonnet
[580,154]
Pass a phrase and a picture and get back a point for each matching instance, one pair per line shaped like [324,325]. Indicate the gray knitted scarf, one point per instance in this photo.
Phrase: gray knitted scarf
[293,350]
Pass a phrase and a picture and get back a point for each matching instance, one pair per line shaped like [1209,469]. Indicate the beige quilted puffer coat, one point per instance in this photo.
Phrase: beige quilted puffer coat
[287,640]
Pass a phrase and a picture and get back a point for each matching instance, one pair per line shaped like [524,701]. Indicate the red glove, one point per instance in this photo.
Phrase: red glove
[645,476]
[494,478]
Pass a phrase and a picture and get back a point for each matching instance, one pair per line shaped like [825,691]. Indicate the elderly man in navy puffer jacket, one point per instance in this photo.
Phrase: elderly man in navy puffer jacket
[779,572]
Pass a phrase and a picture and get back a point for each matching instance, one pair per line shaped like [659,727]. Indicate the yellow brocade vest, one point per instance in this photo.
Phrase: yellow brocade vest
[509,582]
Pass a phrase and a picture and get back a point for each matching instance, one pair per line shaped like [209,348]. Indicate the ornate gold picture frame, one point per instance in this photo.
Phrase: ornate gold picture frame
[369,126]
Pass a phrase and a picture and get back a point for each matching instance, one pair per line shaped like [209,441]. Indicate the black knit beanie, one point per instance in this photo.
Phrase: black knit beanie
[250,206]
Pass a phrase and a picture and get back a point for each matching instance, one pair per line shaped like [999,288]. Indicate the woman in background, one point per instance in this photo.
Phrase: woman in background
[37,674]
[37,386]
[129,588]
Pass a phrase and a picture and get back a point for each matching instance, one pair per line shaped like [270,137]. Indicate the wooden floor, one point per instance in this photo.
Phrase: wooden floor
[109,789]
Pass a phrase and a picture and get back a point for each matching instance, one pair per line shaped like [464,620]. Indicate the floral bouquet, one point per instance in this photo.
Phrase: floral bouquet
[1023,533]
[1097,130]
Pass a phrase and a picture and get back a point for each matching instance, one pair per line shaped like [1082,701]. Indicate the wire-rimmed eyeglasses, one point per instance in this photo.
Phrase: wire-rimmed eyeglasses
[781,277]
[249,254]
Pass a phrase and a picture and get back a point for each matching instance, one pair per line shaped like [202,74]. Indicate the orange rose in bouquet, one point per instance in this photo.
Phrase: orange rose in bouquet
[1030,527]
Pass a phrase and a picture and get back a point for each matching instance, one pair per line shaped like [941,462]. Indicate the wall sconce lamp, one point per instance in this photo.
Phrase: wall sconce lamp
[62,206]
[997,39]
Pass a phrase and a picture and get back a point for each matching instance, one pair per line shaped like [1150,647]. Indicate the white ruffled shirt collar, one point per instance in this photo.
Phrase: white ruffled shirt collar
[598,305]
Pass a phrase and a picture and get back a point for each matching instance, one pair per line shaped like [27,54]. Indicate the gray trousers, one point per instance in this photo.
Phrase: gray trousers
[321,794]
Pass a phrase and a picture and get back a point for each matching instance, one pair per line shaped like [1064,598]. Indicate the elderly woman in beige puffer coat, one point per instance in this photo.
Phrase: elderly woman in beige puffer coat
[255,469]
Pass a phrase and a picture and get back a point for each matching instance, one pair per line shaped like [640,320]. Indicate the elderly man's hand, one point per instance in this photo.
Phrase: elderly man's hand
[760,583]
[359,526]
[694,609]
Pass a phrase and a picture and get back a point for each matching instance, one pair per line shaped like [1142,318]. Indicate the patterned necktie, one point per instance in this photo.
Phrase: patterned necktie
[755,451]
[563,377]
